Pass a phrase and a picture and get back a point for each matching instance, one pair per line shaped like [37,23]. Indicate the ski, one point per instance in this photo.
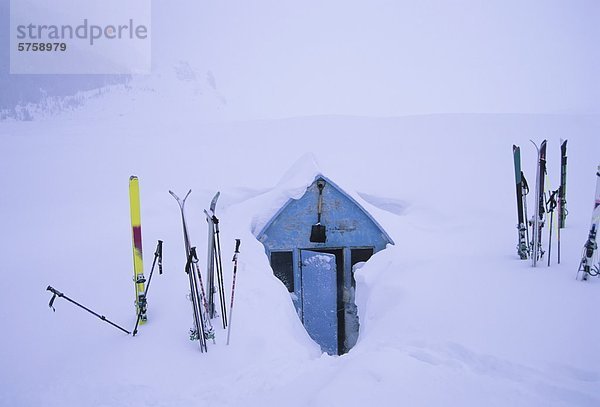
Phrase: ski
[199,331]
[210,257]
[136,237]
[562,191]
[537,222]
[590,248]
[522,190]
[214,263]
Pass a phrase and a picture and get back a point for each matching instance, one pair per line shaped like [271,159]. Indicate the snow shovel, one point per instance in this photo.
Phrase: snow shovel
[317,232]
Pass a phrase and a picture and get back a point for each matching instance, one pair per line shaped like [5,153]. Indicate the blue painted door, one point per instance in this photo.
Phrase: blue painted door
[319,299]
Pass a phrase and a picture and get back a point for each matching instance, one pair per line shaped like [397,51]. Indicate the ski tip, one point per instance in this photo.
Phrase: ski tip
[213,202]
[133,177]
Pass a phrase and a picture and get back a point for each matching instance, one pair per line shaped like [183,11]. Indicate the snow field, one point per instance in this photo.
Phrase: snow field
[448,315]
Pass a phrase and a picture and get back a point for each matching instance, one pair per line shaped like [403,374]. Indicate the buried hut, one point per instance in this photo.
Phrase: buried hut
[313,244]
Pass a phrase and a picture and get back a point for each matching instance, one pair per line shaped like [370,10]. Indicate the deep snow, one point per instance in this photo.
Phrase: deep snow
[448,315]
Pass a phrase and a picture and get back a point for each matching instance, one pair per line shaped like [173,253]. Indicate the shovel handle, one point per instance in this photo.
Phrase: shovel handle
[320,186]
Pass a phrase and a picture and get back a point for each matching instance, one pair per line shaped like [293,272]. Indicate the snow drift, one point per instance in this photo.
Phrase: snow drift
[448,314]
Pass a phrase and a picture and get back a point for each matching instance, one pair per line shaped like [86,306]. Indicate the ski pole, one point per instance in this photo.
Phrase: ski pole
[157,256]
[551,206]
[217,249]
[200,328]
[198,275]
[235,262]
[210,265]
[57,293]
[550,238]
[560,220]
[558,244]
[525,188]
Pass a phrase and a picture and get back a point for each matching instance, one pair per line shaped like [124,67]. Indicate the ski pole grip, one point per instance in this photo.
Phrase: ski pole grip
[188,263]
[54,291]
[237,245]
[159,255]
[193,254]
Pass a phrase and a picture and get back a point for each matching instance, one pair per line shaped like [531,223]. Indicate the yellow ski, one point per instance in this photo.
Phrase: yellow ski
[138,263]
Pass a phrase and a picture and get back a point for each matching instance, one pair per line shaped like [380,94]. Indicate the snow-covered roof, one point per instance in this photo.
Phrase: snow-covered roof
[341,191]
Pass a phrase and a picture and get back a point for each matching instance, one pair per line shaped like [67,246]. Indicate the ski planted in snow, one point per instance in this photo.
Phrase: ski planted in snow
[562,191]
[537,222]
[210,257]
[214,263]
[136,237]
[522,190]
[200,330]
[590,248]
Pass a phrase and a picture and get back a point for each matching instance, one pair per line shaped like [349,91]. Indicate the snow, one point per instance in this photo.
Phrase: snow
[448,315]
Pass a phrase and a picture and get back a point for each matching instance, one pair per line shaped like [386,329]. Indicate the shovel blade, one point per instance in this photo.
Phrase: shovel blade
[317,234]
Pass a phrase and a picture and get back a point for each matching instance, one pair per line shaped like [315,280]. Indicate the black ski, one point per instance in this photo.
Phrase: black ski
[562,191]
[538,219]
[213,259]
[522,189]
[215,265]
[199,330]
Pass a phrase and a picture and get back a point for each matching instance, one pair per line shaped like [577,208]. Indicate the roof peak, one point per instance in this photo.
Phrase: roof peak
[316,178]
